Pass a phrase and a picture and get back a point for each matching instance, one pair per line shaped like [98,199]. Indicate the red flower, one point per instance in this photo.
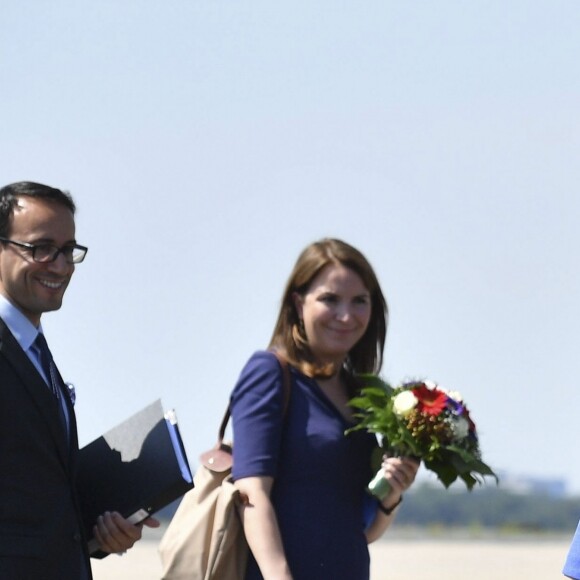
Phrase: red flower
[431,401]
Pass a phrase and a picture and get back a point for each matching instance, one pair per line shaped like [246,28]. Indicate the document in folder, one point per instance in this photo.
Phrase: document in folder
[136,468]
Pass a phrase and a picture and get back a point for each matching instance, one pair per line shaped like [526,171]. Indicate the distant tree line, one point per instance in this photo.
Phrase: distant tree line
[488,506]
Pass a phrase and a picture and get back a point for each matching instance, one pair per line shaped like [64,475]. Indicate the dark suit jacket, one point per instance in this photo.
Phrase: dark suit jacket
[41,535]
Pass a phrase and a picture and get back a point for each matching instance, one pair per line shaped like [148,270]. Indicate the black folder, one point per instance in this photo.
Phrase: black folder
[136,468]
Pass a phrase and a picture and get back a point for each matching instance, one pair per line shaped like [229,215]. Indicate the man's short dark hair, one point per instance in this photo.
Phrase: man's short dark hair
[9,195]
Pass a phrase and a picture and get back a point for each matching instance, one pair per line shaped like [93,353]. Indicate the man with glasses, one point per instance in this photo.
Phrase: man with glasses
[41,533]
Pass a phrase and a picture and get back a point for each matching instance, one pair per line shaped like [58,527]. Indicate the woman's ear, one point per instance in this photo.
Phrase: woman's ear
[298,303]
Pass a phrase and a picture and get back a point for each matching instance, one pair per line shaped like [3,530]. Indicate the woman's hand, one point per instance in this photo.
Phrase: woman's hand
[400,472]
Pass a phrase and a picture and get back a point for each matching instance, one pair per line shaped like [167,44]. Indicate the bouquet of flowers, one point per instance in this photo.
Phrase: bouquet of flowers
[422,420]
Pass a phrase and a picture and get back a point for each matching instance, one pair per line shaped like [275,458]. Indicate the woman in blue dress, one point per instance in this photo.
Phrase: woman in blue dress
[308,516]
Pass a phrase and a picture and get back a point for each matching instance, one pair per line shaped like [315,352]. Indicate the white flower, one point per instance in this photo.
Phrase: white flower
[432,385]
[404,403]
[460,428]
[456,396]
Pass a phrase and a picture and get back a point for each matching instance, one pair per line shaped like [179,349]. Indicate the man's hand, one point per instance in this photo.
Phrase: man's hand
[116,535]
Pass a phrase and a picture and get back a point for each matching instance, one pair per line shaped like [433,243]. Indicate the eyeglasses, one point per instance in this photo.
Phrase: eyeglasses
[46,253]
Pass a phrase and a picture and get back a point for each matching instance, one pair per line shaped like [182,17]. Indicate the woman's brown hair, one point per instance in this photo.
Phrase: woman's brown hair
[288,337]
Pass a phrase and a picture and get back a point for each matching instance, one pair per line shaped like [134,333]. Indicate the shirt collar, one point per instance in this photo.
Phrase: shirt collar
[22,329]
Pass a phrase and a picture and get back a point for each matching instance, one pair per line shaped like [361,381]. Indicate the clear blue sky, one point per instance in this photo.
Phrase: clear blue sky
[206,143]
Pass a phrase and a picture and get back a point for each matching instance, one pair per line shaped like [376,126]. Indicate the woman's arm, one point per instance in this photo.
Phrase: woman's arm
[257,407]
[400,472]
[261,528]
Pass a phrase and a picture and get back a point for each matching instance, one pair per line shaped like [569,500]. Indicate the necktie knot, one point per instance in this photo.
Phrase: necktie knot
[42,345]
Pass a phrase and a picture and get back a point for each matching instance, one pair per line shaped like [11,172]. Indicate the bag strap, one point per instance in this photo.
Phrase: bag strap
[219,458]
[286,385]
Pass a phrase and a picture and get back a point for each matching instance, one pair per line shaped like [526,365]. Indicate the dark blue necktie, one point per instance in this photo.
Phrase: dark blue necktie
[48,366]
[54,381]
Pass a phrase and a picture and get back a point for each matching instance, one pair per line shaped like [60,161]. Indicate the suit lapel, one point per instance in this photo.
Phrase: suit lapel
[42,397]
